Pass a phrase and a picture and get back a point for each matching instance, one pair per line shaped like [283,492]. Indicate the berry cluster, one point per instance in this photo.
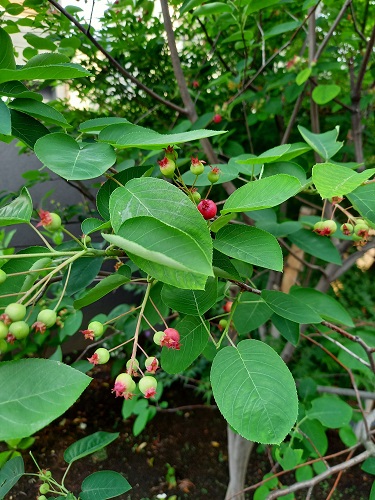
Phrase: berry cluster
[14,327]
[359,230]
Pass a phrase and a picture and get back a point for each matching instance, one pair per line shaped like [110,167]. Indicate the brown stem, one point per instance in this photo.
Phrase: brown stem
[115,63]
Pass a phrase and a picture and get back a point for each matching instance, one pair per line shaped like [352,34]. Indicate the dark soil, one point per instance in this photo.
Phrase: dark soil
[191,441]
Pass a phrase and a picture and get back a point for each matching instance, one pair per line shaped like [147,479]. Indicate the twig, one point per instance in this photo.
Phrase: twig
[300,259]
[115,63]
[365,60]
[339,475]
[341,346]
[334,25]
[355,24]
[320,477]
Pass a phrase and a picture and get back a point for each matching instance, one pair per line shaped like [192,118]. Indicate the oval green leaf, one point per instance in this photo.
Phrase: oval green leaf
[33,392]
[251,245]
[251,312]
[194,302]
[103,484]
[325,93]
[10,473]
[89,444]
[265,193]
[255,391]
[331,411]
[72,160]
[290,307]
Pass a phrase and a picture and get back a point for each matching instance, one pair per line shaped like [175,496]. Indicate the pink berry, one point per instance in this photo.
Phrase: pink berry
[151,364]
[217,118]
[207,208]
[171,339]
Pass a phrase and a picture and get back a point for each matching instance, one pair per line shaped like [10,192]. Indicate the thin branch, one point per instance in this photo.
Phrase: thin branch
[213,47]
[115,63]
[334,25]
[351,353]
[293,117]
[300,259]
[355,24]
[365,60]
[320,477]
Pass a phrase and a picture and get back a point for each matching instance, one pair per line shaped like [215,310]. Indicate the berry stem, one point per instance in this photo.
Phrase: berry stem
[208,331]
[72,236]
[137,328]
[144,352]
[121,316]
[232,310]
[64,288]
[149,324]
[208,192]
[157,310]
[120,345]
[41,237]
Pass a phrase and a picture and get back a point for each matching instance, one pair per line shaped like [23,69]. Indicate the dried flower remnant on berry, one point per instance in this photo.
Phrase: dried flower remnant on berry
[45,218]
[124,386]
[39,326]
[88,334]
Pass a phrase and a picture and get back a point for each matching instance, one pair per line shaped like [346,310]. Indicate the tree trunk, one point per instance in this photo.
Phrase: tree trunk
[239,450]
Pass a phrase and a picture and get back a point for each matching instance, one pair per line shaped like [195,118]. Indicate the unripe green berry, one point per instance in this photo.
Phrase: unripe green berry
[360,221]
[347,228]
[42,497]
[3,330]
[103,355]
[157,337]
[147,385]
[48,317]
[214,175]
[55,223]
[133,364]
[151,364]
[196,166]
[361,229]
[3,346]
[97,327]
[20,329]
[58,237]
[15,311]
[196,197]
[126,380]
[3,276]
[167,167]
[44,488]
[223,323]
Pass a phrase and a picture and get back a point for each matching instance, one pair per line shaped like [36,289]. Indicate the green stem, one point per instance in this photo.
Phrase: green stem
[208,331]
[120,316]
[137,328]
[56,270]
[233,308]
[64,288]
[72,236]
[41,236]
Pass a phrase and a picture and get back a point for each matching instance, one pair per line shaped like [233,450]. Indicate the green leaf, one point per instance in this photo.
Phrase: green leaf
[65,71]
[72,160]
[251,245]
[220,222]
[303,76]
[7,60]
[268,156]
[83,271]
[331,411]
[326,145]
[19,211]
[304,473]
[92,224]
[10,473]
[257,5]
[280,28]
[316,245]
[251,312]
[193,337]
[363,200]
[18,89]
[127,135]
[332,180]
[105,191]
[102,485]
[40,111]
[194,302]
[39,42]
[46,59]
[317,440]
[368,466]
[223,266]
[189,5]
[33,392]
[347,435]
[285,167]
[17,283]
[264,193]
[88,445]
[104,287]
[71,325]
[290,307]
[97,124]
[5,121]
[148,196]
[211,9]
[327,307]
[288,329]
[164,252]
[325,93]
[26,128]
[255,391]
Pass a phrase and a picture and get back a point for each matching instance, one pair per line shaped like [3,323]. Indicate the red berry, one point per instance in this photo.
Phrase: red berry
[227,306]
[207,208]
[217,118]
[195,84]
